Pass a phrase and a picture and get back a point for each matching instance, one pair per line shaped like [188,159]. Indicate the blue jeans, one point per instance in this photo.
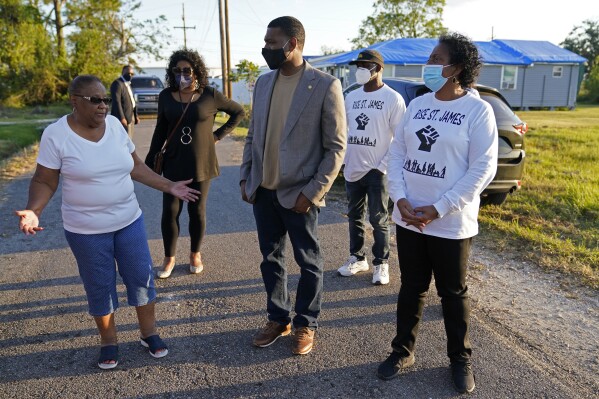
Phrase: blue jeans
[98,256]
[371,189]
[273,223]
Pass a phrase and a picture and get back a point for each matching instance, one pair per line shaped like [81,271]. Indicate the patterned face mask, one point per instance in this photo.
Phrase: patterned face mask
[183,81]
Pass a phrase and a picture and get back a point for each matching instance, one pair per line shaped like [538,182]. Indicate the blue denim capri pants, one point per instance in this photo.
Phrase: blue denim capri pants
[96,255]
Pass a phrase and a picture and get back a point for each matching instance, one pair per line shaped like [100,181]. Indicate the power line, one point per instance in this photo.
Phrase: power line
[184,28]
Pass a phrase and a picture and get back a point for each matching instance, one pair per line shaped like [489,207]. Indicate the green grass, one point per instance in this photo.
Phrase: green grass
[553,220]
[16,137]
[22,127]
[52,111]
[238,133]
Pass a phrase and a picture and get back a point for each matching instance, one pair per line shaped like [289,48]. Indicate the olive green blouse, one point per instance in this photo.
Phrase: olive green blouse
[197,159]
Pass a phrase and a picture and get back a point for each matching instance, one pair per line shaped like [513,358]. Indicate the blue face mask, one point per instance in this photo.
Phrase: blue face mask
[433,76]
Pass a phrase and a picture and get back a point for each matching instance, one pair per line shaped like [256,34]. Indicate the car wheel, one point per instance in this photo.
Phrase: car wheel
[493,199]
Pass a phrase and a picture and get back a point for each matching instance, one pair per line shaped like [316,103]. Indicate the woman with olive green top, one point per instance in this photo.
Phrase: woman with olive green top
[191,149]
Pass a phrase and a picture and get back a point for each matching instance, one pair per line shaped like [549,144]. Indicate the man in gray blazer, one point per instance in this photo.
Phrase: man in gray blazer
[123,103]
[293,152]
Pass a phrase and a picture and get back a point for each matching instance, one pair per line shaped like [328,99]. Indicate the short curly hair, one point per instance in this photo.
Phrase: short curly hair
[200,72]
[463,52]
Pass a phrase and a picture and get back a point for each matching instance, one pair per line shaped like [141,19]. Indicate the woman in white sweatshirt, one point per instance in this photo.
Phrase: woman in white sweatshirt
[443,155]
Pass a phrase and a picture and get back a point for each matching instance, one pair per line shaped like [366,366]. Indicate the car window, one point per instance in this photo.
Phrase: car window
[350,89]
[146,83]
[503,113]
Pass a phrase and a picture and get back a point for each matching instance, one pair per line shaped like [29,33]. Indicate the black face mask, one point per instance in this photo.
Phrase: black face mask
[127,77]
[275,58]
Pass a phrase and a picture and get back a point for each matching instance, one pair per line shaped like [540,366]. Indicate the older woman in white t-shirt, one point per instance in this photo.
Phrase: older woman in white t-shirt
[102,220]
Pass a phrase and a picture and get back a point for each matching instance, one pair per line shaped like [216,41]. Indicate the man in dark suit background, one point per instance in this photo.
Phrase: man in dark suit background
[123,102]
[293,152]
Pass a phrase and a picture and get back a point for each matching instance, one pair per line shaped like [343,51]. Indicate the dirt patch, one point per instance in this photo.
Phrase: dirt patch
[18,164]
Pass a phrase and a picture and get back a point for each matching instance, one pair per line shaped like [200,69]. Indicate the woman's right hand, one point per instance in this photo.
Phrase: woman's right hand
[408,215]
[29,222]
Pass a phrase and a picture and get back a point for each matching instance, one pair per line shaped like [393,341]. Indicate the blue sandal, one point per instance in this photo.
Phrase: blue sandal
[107,353]
[155,344]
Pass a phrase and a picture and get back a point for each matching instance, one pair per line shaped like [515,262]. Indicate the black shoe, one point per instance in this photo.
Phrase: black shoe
[463,376]
[393,365]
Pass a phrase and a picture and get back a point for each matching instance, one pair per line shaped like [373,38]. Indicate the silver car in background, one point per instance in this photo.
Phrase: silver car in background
[146,89]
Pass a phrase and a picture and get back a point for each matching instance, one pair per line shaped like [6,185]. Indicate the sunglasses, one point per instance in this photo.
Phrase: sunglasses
[96,100]
[182,71]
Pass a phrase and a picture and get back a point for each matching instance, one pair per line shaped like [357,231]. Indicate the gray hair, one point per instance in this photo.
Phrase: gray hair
[81,82]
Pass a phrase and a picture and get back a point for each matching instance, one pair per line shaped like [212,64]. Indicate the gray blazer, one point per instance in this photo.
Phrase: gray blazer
[312,143]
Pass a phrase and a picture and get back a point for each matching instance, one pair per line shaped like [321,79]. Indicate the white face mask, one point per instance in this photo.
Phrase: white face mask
[363,75]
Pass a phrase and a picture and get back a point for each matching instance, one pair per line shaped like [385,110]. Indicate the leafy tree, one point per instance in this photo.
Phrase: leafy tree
[394,19]
[248,71]
[124,35]
[590,86]
[584,40]
[47,42]
[27,65]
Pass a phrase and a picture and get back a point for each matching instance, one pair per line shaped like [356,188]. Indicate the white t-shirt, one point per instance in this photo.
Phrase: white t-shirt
[97,190]
[444,154]
[371,120]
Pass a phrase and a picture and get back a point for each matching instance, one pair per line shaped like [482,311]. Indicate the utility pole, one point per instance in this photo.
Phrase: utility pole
[228,44]
[223,50]
[184,28]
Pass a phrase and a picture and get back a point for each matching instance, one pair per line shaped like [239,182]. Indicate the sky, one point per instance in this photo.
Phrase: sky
[333,23]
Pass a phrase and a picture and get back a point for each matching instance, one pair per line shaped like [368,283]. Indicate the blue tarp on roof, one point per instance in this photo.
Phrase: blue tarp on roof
[505,52]
[541,51]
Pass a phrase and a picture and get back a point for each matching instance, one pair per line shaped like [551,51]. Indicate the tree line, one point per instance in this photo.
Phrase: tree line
[45,43]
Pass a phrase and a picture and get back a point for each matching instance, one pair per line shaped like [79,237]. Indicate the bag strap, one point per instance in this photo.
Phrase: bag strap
[176,125]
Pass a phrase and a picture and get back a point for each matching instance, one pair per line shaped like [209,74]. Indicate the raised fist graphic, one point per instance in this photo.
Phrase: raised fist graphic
[362,120]
[428,136]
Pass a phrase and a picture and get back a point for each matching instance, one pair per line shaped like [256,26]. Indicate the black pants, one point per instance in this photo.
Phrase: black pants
[171,210]
[421,256]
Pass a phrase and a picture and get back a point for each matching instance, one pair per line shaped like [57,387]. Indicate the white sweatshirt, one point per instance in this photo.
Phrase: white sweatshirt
[444,154]
[372,118]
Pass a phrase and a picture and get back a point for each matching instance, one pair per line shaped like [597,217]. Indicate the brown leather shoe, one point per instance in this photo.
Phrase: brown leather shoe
[270,333]
[303,341]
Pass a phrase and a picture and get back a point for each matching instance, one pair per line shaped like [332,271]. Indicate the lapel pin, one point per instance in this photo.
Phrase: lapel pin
[309,87]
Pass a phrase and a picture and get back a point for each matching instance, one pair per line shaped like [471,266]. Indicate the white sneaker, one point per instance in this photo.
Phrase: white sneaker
[353,266]
[381,274]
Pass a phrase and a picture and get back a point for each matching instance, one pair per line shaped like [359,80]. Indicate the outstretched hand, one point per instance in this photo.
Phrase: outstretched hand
[180,190]
[29,222]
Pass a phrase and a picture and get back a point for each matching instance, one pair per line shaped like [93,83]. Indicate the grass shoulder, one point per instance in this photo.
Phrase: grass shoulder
[554,219]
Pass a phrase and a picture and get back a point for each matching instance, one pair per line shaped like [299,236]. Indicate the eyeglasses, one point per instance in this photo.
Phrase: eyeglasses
[96,100]
[182,71]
